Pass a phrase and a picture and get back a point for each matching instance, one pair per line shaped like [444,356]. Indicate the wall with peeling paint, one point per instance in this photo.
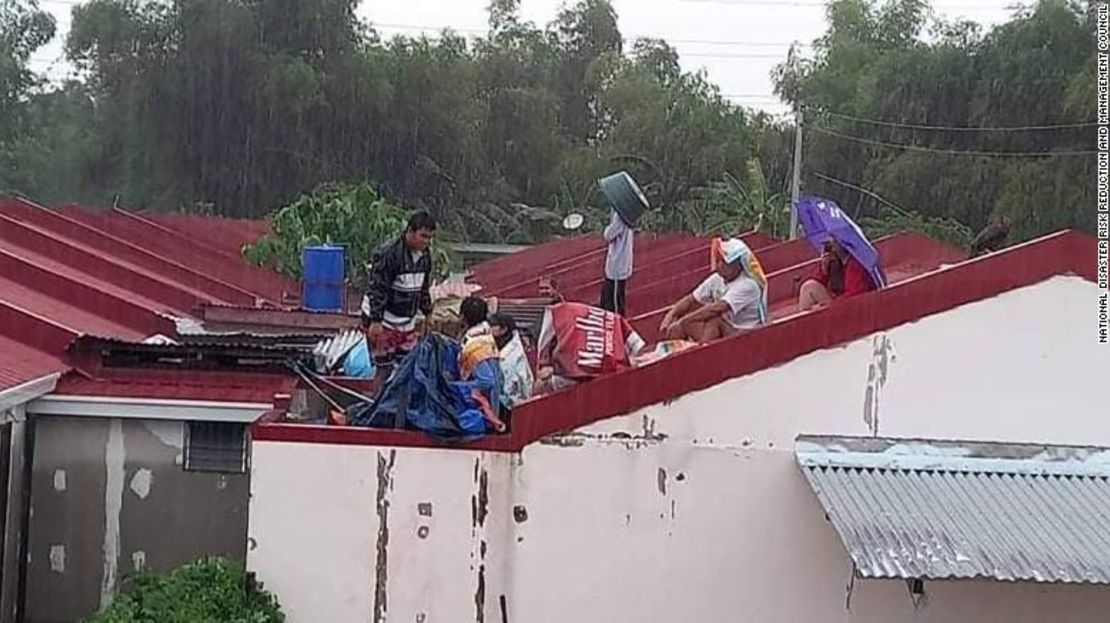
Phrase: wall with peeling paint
[692,510]
[381,534]
[109,497]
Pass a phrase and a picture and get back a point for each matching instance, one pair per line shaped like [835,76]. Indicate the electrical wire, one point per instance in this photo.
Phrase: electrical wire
[816,3]
[1024,128]
[953,152]
[849,185]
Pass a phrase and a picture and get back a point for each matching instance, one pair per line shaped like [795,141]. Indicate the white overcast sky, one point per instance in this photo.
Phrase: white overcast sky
[736,41]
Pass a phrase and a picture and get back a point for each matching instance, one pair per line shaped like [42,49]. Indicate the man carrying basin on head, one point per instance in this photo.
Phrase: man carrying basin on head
[731,300]
[627,203]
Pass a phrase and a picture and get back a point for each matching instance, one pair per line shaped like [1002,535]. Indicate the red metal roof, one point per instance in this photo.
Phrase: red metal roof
[188,248]
[227,234]
[73,271]
[178,385]
[21,363]
[580,268]
[917,290]
[668,267]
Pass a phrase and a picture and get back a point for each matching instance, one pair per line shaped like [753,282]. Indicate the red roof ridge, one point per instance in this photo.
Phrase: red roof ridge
[34,330]
[95,300]
[1066,252]
[98,263]
[148,222]
[74,232]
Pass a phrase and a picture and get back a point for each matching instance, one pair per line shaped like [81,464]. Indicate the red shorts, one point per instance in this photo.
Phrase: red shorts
[392,345]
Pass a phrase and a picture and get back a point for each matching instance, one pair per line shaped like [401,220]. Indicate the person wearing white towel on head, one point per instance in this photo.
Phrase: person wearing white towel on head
[731,300]
[618,263]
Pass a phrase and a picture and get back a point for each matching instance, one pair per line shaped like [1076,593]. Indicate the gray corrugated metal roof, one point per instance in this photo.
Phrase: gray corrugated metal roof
[946,510]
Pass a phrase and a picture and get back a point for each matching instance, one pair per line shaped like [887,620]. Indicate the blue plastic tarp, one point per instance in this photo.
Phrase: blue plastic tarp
[425,393]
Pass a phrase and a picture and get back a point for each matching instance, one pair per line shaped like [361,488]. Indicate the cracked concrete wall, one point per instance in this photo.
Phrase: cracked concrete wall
[694,510]
[389,534]
[109,497]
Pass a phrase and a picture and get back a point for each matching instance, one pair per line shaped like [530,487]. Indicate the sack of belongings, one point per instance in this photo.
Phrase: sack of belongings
[426,393]
[662,350]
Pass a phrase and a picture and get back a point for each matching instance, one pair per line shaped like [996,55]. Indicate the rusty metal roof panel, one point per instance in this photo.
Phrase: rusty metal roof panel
[949,510]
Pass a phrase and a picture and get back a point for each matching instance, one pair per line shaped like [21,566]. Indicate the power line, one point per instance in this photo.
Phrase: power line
[954,152]
[892,124]
[709,55]
[482,31]
[627,39]
[632,37]
[816,3]
[861,189]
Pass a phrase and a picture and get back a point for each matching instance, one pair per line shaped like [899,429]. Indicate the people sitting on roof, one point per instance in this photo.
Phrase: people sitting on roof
[731,300]
[838,276]
[515,370]
[479,360]
[398,292]
[579,342]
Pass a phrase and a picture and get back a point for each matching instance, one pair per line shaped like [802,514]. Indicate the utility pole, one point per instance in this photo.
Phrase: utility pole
[796,183]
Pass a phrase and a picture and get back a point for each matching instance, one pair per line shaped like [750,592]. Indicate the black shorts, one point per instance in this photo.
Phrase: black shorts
[612,295]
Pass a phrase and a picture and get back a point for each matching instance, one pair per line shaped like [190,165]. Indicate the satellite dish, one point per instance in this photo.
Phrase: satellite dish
[573,221]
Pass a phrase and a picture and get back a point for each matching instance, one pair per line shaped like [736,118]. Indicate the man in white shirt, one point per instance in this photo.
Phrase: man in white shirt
[618,263]
[729,301]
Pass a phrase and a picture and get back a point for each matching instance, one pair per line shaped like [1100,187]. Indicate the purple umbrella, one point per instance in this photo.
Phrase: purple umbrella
[822,219]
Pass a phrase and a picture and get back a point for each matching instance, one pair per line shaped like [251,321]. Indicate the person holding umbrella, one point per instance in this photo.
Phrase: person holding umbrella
[849,262]
[839,275]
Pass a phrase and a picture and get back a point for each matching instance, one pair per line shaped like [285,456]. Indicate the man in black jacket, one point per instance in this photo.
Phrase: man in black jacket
[398,290]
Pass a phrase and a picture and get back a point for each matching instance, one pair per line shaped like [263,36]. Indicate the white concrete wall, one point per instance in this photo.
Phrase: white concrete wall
[346,533]
[700,512]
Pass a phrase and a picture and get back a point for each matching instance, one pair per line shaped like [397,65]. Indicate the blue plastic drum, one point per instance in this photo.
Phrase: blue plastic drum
[324,278]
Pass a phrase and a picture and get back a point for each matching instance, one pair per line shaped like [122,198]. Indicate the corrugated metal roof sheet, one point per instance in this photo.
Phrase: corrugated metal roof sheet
[330,351]
[179,385]
[71,272]
[21,363]
[947,510]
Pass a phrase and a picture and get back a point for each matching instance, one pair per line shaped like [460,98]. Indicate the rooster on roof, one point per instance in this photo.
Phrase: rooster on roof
[992,238]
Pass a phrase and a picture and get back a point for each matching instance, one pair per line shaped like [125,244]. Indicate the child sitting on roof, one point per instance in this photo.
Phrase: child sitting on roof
[579,342]
[731,300]
[839,275]
[479,362]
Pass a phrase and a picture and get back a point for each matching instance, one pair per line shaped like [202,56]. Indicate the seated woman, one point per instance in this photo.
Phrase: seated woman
[838,276]
[515,370]
[729,301]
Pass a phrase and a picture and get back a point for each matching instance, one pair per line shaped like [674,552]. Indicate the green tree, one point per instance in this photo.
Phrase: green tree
[873,64]
[24,28]
[354,215]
